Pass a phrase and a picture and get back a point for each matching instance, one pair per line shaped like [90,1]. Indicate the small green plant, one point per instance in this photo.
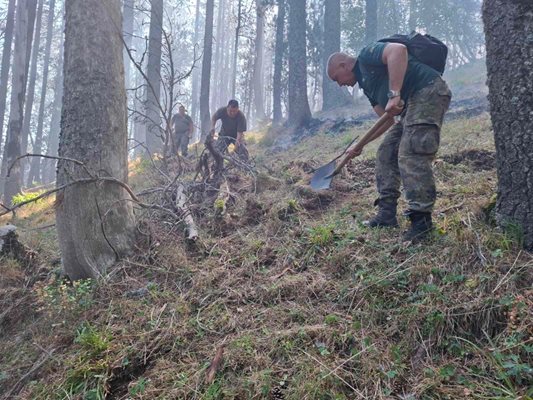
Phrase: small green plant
[25,197]
[292,205]
[219,205]
[59,296]
[321,235]
[89,371]
[331,319]
[214,391]
[91,340]
[245,343]
[139,387]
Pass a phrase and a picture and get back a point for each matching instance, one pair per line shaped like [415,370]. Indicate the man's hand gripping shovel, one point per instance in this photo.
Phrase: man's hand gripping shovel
[322,177]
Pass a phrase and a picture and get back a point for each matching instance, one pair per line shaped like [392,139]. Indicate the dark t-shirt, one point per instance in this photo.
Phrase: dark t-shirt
[372,75]
[230,126]
[181,123]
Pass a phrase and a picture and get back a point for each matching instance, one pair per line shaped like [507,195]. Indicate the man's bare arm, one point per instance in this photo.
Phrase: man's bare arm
[214,120]
[396,57]
[240,137]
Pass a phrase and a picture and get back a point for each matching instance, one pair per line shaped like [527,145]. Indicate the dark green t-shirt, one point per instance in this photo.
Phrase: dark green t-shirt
[181,123]
[372,75]
[230,126]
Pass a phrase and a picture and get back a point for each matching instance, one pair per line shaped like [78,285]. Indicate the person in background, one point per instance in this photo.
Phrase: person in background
[183,128]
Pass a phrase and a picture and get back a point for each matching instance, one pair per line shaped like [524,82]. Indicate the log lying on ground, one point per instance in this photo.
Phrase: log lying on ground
[181,203]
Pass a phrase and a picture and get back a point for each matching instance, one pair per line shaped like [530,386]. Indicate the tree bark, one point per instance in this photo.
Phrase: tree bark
[196,72]
[299,111]
[510,81]
[236,50]
[154,133]
[95,222]
[206,69]
[35,45]
[258,64]
[13,183]
[35,169]
[128,18]
[215,78]
[6,64]
[371,21]
[278,63]
[333,96]
[55,123]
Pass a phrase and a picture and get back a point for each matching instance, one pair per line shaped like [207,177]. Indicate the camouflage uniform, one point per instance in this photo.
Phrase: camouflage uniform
[408,150]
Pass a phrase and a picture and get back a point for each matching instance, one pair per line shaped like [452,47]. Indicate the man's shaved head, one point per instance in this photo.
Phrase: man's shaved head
[340,69]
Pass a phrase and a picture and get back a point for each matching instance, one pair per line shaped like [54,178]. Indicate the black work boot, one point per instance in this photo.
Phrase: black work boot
[386,216]
[421,226]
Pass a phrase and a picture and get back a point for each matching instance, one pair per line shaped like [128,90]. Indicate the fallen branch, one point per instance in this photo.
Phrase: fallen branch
[215,365]
[29,375]
[192,230]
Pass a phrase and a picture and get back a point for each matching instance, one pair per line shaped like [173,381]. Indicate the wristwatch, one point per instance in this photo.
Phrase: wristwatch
[393,93]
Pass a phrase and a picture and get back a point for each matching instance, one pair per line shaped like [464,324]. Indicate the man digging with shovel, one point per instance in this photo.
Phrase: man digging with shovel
[397,83]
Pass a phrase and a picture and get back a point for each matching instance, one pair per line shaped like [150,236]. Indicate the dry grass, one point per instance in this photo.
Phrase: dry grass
[306,301]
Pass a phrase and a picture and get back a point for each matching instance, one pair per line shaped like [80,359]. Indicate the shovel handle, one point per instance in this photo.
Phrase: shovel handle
[380,127]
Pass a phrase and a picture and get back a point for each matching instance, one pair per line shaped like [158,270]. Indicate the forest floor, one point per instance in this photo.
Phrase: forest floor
[301,300]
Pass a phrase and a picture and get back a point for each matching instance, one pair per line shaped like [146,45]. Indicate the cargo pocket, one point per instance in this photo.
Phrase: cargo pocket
[423,139]
[428,105]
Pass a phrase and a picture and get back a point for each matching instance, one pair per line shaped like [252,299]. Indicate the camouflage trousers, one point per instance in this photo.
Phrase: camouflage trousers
[407,152]
[181,142]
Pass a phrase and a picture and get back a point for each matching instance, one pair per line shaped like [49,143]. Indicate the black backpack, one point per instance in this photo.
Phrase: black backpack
[426,48]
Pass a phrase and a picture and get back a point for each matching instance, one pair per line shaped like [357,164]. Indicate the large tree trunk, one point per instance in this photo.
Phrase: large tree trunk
[224,94]
[206,68]
[35,168]
[13,183]
[510,81]
[139,126]
[258,63]
[127,27]
[52,146]
[95,221]
[371,21]
[299,112]
[196,72]
[154,133]
[236,50]
[278,63]
[28,106]
[215,78]
[333,95]
[6,62]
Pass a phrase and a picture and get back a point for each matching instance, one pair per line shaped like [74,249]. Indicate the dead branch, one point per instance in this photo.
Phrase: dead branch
[215,365]
[192,230]
[30,374]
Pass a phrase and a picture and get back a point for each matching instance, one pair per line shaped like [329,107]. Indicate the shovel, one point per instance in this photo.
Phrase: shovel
[322,177]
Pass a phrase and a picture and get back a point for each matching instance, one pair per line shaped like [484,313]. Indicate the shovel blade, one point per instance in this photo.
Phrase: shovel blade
[322,177]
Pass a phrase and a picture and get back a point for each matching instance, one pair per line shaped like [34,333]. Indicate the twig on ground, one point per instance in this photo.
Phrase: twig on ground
[215,365]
